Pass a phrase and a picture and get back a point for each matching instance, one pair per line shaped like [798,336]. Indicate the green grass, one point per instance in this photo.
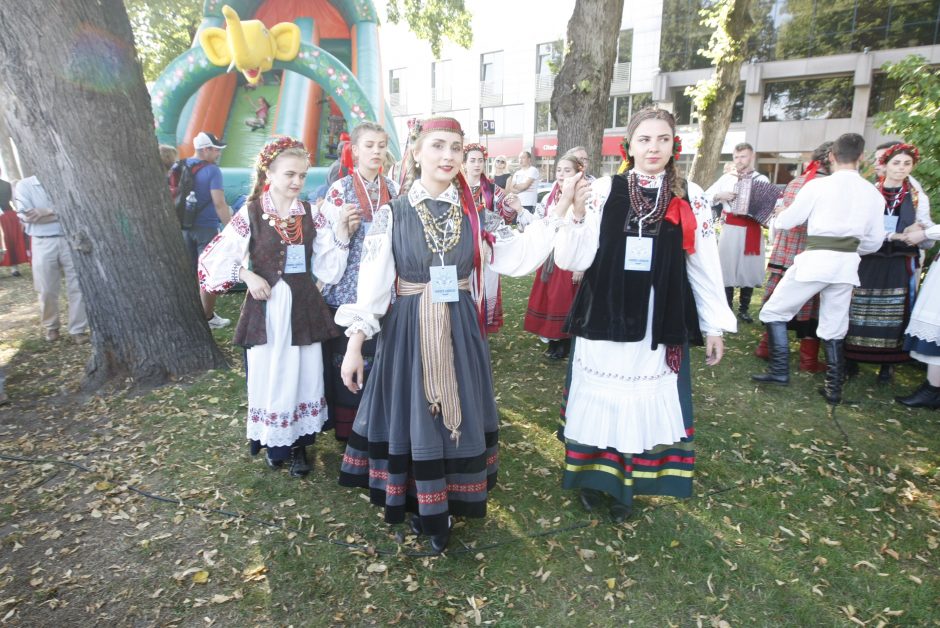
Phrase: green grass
[793,523]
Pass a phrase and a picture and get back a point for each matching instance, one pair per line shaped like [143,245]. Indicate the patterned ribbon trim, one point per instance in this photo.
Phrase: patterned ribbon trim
[437,355]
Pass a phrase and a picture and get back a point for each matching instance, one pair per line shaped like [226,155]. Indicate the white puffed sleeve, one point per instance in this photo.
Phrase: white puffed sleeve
[923,216]
[222,259]
[576,243]
[376,278]
[517,253]
[714,315]
[330,250]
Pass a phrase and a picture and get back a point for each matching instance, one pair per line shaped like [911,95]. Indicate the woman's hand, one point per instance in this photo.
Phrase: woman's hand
[353,370]
[913,235]
[348,221]
[577,276]
[258,287]
[579,207]
[714,350]
[512,201]
[569,186]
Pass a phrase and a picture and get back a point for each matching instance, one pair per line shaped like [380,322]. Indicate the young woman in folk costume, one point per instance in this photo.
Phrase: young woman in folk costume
[788,243]
[652,285]
[284,318]
[425,439]
[881,305]
[554,288]
[488,197]
[363,192]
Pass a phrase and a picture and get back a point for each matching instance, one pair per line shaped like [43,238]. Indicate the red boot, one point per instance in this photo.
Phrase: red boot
[809,356]
[762,351]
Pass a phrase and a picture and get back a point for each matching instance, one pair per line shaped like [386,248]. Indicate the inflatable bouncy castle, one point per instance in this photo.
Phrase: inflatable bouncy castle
[257,68]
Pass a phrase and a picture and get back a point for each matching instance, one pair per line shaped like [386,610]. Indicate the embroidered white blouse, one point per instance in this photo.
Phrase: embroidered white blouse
[514,254]
[576,245]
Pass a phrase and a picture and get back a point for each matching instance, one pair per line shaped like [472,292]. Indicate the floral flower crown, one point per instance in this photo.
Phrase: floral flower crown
[467,148]
[899,148]
[275,147]
[423,127]
[676,148]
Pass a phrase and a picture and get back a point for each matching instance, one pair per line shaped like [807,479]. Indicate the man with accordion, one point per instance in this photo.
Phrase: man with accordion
[747,200]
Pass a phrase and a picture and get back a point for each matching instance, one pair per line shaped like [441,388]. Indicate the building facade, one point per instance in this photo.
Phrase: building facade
[815,73]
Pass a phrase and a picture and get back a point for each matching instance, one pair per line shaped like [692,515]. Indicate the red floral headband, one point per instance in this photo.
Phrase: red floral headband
[891,151]
[676,148]
[468,148]
[275,147]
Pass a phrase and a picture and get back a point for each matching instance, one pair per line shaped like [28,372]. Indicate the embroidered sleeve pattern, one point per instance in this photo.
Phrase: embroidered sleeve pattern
[704,270]
[221,261]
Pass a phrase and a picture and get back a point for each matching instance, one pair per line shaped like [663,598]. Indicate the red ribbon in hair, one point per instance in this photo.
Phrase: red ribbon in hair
[346,159]
[470,210]
[811,170]
[680,213]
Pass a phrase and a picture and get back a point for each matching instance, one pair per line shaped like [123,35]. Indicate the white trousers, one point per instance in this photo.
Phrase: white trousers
[790,295]
[51,258]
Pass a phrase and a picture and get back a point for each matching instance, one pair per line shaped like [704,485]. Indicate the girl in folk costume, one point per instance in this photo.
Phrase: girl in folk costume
[487,197]
[362,192]
[425,439]
[554,288]
[881,305]
[788,243]
[652,285]
[284,318]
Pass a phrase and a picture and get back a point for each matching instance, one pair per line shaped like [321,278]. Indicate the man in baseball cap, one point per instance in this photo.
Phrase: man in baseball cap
[214,212]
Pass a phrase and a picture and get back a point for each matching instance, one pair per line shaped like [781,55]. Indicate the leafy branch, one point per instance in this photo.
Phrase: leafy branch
[434,21]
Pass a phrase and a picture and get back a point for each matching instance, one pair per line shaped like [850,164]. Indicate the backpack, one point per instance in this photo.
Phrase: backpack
[182,182]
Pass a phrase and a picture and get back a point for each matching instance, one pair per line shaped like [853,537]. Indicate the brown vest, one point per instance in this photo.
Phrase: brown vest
[310,318]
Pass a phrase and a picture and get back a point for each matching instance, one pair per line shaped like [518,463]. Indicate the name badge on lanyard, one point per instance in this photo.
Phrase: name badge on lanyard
[891,224]
[444,284]
[639,254]
[296,261]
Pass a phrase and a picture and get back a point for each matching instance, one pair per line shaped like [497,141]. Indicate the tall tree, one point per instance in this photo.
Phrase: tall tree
[434,21]
[582,87]
[732,24]
[163,30]
[11,169]
[80,116]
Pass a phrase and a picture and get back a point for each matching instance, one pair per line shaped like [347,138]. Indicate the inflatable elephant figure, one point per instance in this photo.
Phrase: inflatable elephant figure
[249,46]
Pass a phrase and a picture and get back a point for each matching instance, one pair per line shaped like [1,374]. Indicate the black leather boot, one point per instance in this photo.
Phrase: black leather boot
[561,349]
[926,396]
[439,541]
[552,348]
[590,498]
[729,294]
[299,467]
[744,302]
[778,365]
[835,370]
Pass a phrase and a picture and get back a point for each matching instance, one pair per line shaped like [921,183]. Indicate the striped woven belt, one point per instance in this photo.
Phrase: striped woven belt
[437,354]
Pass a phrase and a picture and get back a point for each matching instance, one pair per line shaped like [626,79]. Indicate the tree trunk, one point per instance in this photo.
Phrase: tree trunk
[74,99]
[715,116]
[582,87]
[11,169]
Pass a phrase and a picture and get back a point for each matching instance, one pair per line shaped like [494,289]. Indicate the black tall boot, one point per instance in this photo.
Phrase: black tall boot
[835,370]
[729,294]
[299,467]
[744,302]
[926,396]
[778,365]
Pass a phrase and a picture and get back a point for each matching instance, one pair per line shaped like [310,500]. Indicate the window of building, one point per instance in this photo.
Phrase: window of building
[809,28]
[440,85]
[808,99]
[547,56]
[780,168]
[621,108]
[509,119]
[544,122]
[491,68]
[395,86]
[686,113]
[625,46]
[884,93]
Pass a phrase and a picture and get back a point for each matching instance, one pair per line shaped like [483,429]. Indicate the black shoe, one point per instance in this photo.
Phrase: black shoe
[415,524]
[299,467]
[835,370]
[885,374]
[590,499]
[564,348]
[745,316]
[620,512]
[274,465]
[926,396]
[439,541]
[552,348]
[778,364]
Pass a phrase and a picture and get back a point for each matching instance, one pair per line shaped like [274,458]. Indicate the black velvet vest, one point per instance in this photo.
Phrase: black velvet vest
[311,320]
[613,303]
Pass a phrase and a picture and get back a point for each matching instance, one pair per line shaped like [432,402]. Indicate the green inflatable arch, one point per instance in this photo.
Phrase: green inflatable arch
[188,72]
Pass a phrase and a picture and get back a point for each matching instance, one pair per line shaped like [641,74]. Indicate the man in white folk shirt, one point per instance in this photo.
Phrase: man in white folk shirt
[741,242]
[843,213]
